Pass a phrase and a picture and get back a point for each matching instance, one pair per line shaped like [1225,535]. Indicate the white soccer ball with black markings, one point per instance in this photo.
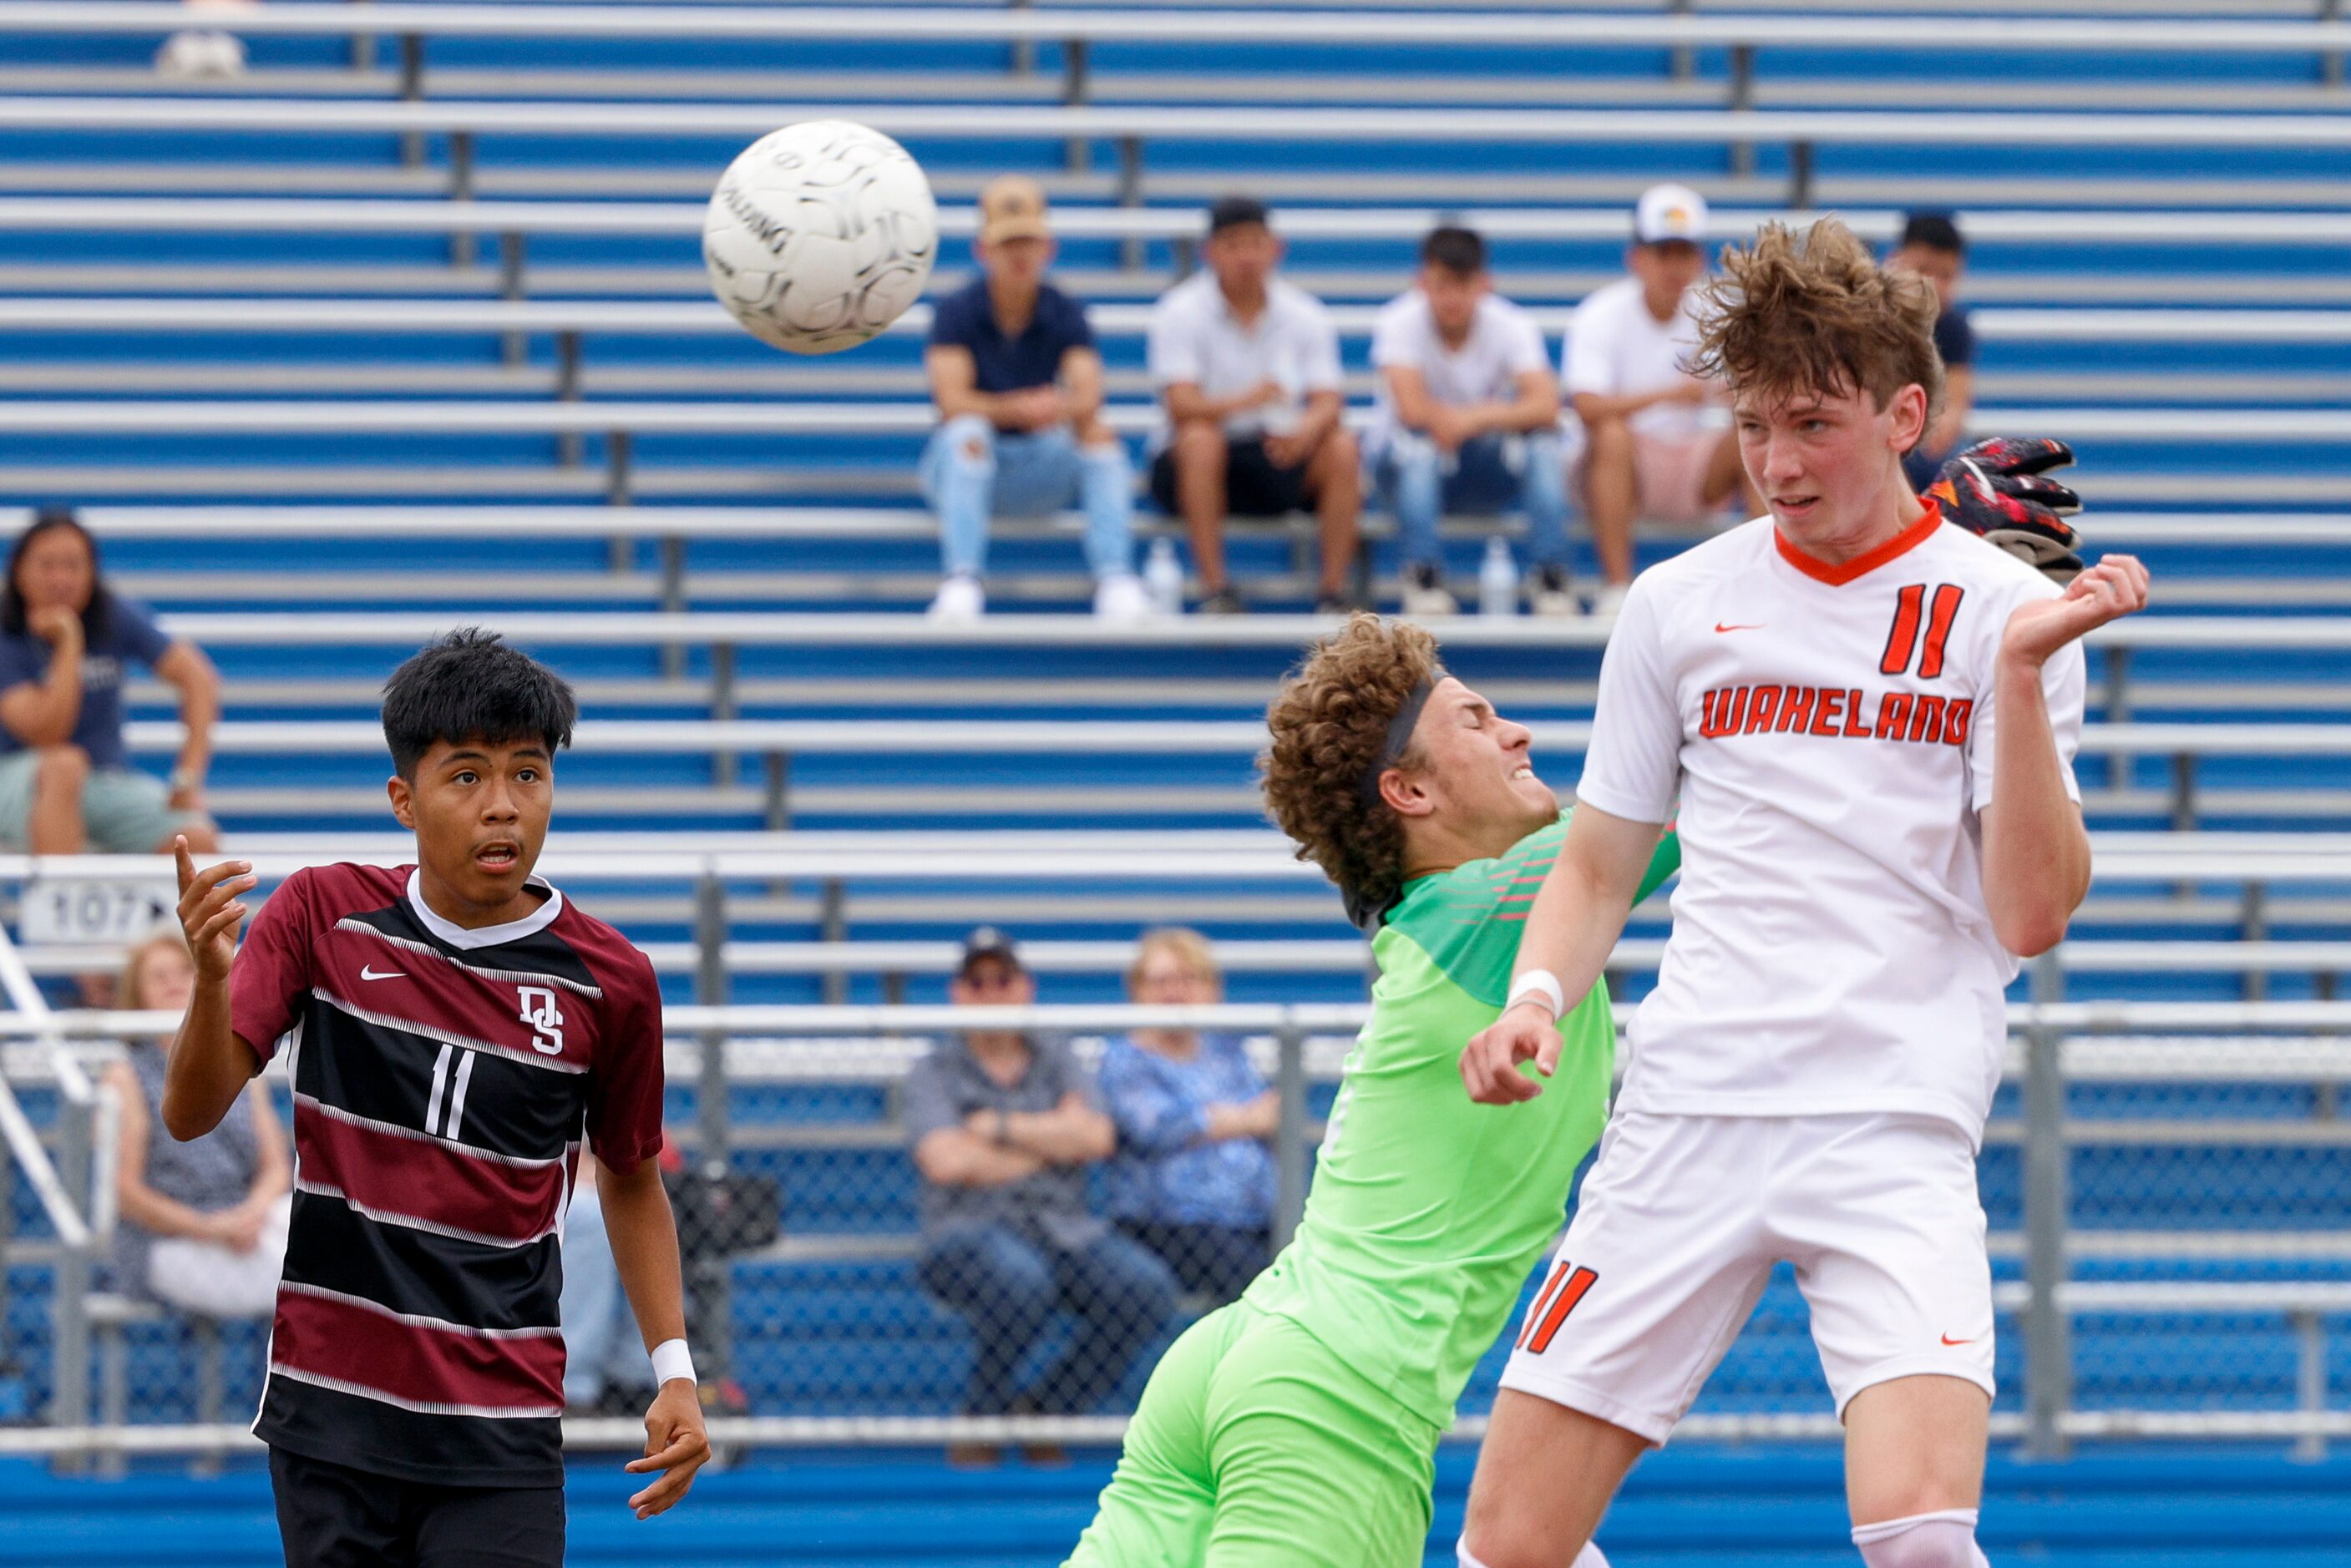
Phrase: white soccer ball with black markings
[820,236]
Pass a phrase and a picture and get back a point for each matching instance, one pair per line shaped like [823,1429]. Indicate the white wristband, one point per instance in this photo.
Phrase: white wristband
[1540,983]
[672,1360]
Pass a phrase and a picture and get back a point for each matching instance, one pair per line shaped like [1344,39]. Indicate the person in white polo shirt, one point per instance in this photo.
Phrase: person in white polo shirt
[1862,721]
[1468,421]
[1658,440]
[1248,368]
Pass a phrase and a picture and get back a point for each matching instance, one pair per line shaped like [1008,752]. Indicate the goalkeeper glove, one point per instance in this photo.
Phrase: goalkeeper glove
[1999,489]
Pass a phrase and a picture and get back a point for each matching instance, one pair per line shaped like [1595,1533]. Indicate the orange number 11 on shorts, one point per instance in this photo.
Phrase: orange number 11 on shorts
[1558,1298]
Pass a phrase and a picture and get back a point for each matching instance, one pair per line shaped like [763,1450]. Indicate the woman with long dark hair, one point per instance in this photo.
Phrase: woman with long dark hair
[66,641]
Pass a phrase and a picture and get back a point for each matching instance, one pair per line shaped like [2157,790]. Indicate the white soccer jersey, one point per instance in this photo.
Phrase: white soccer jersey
[1829,732]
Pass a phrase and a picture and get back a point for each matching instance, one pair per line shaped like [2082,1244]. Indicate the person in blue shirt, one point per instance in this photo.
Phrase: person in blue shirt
[1019,385]
[1193,1177]
[67,643]
[1932,246]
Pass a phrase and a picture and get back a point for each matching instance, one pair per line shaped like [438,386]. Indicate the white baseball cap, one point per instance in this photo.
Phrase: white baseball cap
[1669,213]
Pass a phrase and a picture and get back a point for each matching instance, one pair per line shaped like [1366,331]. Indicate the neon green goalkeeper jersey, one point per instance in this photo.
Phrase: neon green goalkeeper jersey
[1427,1210]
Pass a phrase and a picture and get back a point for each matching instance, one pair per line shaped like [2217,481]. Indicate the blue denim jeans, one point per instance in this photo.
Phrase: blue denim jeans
[972,471]
[602,1346]
[1008,1286]
[1488,475]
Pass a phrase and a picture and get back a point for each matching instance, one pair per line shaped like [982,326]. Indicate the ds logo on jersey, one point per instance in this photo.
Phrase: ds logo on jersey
[546,1019]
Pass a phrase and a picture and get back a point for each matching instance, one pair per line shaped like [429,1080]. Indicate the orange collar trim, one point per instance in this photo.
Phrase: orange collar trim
[1930,517]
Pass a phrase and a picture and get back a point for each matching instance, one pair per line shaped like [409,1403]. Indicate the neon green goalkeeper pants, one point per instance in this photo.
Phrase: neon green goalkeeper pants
[1255,1446]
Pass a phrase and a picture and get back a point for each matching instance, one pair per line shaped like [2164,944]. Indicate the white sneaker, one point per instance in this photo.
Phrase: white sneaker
[1424,594]
[961,601]
[1608,600]
[201,53]
[1122,600]
[1552,594]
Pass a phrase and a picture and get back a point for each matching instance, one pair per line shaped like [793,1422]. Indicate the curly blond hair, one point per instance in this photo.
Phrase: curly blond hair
[1330,721]
[1796,316]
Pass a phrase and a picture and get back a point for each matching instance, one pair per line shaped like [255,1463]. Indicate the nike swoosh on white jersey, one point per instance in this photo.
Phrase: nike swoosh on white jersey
[368,972]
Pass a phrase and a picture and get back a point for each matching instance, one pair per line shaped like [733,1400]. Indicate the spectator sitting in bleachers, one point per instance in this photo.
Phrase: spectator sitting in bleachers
[1468,420]
[1019,384]
[1003,1126]
[1657,441]
[1932,246]
[606,1368]
[203,1223]
[1247,370]
[66,645]
[1192,1178]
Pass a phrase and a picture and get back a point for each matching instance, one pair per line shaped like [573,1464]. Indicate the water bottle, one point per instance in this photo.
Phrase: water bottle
[1163,578]
[1497,579]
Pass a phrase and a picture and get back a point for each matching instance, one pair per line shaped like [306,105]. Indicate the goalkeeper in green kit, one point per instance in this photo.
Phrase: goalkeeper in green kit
[1300,1424]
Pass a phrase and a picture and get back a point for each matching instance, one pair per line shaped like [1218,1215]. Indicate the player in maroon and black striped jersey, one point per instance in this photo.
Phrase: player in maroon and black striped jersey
[453,1031]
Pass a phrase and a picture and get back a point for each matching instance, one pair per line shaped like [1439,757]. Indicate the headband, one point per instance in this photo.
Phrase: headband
[1398,739]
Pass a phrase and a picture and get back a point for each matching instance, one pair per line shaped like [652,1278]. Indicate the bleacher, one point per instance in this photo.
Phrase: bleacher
[388,335]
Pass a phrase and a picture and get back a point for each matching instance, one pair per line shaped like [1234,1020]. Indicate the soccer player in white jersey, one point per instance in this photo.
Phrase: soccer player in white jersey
[1868,718]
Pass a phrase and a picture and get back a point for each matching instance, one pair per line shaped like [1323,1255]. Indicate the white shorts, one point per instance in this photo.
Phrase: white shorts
[1678,1226]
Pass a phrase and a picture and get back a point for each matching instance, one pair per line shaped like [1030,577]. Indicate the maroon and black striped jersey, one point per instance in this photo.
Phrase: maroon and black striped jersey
[442,1080]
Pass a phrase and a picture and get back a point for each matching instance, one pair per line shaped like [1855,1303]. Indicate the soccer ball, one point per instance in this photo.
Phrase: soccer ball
[820,236]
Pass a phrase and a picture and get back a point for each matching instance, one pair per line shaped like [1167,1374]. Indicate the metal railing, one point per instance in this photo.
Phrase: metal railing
[2060,1043]
[76,1190]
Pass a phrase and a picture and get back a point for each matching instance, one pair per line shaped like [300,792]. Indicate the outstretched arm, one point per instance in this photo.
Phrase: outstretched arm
[1571,931]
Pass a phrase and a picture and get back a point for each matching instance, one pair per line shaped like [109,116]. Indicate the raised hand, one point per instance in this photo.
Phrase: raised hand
[55,625]
[2115,587]
[209,912]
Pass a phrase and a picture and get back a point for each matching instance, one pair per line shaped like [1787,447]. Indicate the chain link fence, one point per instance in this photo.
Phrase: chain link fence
[2168,1203]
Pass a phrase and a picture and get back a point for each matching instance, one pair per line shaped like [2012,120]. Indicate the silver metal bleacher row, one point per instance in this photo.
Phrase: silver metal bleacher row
[1075,30]
[1130,128]
[777,741]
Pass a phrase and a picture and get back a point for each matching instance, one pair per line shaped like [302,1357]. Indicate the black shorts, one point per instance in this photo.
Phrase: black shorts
[332,1516]
[1254,486]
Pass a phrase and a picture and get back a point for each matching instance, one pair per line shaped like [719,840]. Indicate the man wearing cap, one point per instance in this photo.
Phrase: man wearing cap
[1003,1125]
[1931,246]
[1019,385]
[1657,441]
[1248,368]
